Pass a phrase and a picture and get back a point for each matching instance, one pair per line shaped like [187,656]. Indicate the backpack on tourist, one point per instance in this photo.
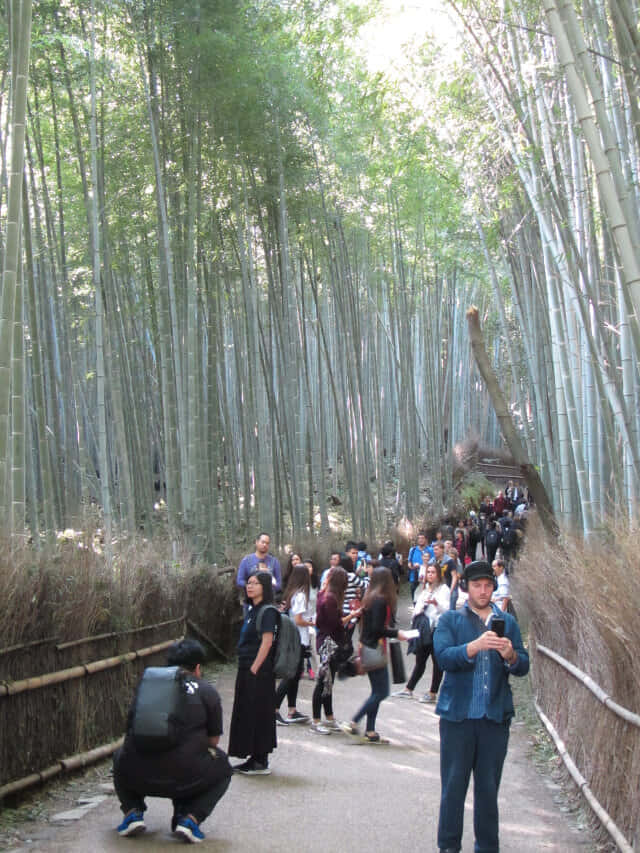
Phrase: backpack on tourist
[159,714]
[492,538]
[288,645]
[509,537]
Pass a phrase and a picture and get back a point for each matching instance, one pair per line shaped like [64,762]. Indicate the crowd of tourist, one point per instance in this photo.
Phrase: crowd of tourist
[359,590]
[455,568]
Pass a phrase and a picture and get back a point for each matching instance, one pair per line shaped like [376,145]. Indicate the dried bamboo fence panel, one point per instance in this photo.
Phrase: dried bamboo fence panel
[45,718]
[32,659]
[606,751]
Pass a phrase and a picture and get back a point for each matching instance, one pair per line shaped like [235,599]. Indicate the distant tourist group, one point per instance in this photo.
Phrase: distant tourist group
[303,622]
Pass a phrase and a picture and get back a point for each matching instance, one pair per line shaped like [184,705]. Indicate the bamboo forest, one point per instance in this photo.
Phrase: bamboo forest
[240,240]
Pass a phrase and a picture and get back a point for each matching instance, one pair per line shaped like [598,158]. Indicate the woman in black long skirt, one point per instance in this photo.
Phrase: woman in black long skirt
[253,721]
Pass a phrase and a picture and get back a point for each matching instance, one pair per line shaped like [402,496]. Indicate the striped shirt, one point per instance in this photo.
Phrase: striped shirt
[356,587]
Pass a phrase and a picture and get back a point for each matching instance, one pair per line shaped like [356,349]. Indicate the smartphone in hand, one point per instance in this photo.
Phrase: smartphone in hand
[497,625]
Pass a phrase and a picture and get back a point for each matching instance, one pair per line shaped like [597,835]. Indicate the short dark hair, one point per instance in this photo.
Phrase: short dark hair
[361,546]
[350,545]
[186,653]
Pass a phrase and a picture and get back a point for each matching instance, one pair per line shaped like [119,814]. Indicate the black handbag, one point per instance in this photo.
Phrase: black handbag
[424,641]
[398,675]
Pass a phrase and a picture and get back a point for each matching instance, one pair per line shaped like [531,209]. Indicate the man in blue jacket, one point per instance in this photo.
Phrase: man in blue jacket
[475,708]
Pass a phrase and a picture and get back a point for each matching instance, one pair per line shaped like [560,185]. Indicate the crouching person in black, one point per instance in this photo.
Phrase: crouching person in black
[171,746]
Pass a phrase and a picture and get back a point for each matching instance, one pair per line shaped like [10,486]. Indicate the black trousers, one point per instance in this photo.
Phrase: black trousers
[200,805]
[422,656]
[289,687]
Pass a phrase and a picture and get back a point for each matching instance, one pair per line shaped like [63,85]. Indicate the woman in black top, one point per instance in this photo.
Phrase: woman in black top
[253,721]
[377,608]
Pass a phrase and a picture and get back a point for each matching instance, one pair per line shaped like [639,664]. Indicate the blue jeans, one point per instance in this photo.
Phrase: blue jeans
[379,679]
[479,746]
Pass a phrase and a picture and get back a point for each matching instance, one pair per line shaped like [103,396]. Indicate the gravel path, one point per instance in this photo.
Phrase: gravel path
[326,793]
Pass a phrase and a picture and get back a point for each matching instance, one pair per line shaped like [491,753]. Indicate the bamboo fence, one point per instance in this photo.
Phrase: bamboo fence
[606,820]
[76,711]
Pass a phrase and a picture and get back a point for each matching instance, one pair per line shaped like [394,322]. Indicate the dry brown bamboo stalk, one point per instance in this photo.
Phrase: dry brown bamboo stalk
[603,816]
[30,645]
[114,634]
[591,685]
[74,762]
[30,780]
[12,687]
[82,759]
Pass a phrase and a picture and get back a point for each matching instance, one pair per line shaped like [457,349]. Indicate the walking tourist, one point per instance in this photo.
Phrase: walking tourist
[378,605]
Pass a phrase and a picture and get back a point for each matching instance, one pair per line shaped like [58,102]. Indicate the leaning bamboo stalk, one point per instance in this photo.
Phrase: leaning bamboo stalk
[197,630]
[603,816]
[34,683]
[74,762]
[591,685]
[112,635]
[535,484]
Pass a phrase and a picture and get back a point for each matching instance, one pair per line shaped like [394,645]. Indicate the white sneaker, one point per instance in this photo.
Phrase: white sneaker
[332,725]
[320,729]
[350,729]
[403,694]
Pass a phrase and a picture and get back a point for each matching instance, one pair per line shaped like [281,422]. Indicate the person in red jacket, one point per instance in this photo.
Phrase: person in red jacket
[499,503]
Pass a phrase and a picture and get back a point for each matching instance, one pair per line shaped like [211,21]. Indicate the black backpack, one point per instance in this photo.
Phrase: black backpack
[159,714]
[509,537]
[492,537]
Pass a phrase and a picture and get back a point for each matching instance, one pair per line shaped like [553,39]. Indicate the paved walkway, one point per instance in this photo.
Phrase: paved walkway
[329,793]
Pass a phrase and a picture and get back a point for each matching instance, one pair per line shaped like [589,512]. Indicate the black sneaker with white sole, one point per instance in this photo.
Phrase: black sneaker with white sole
[251,767]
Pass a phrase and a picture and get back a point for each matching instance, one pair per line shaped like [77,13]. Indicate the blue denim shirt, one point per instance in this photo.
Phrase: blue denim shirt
[455,629]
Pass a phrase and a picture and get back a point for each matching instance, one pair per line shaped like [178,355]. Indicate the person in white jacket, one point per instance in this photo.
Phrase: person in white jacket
[432,600]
